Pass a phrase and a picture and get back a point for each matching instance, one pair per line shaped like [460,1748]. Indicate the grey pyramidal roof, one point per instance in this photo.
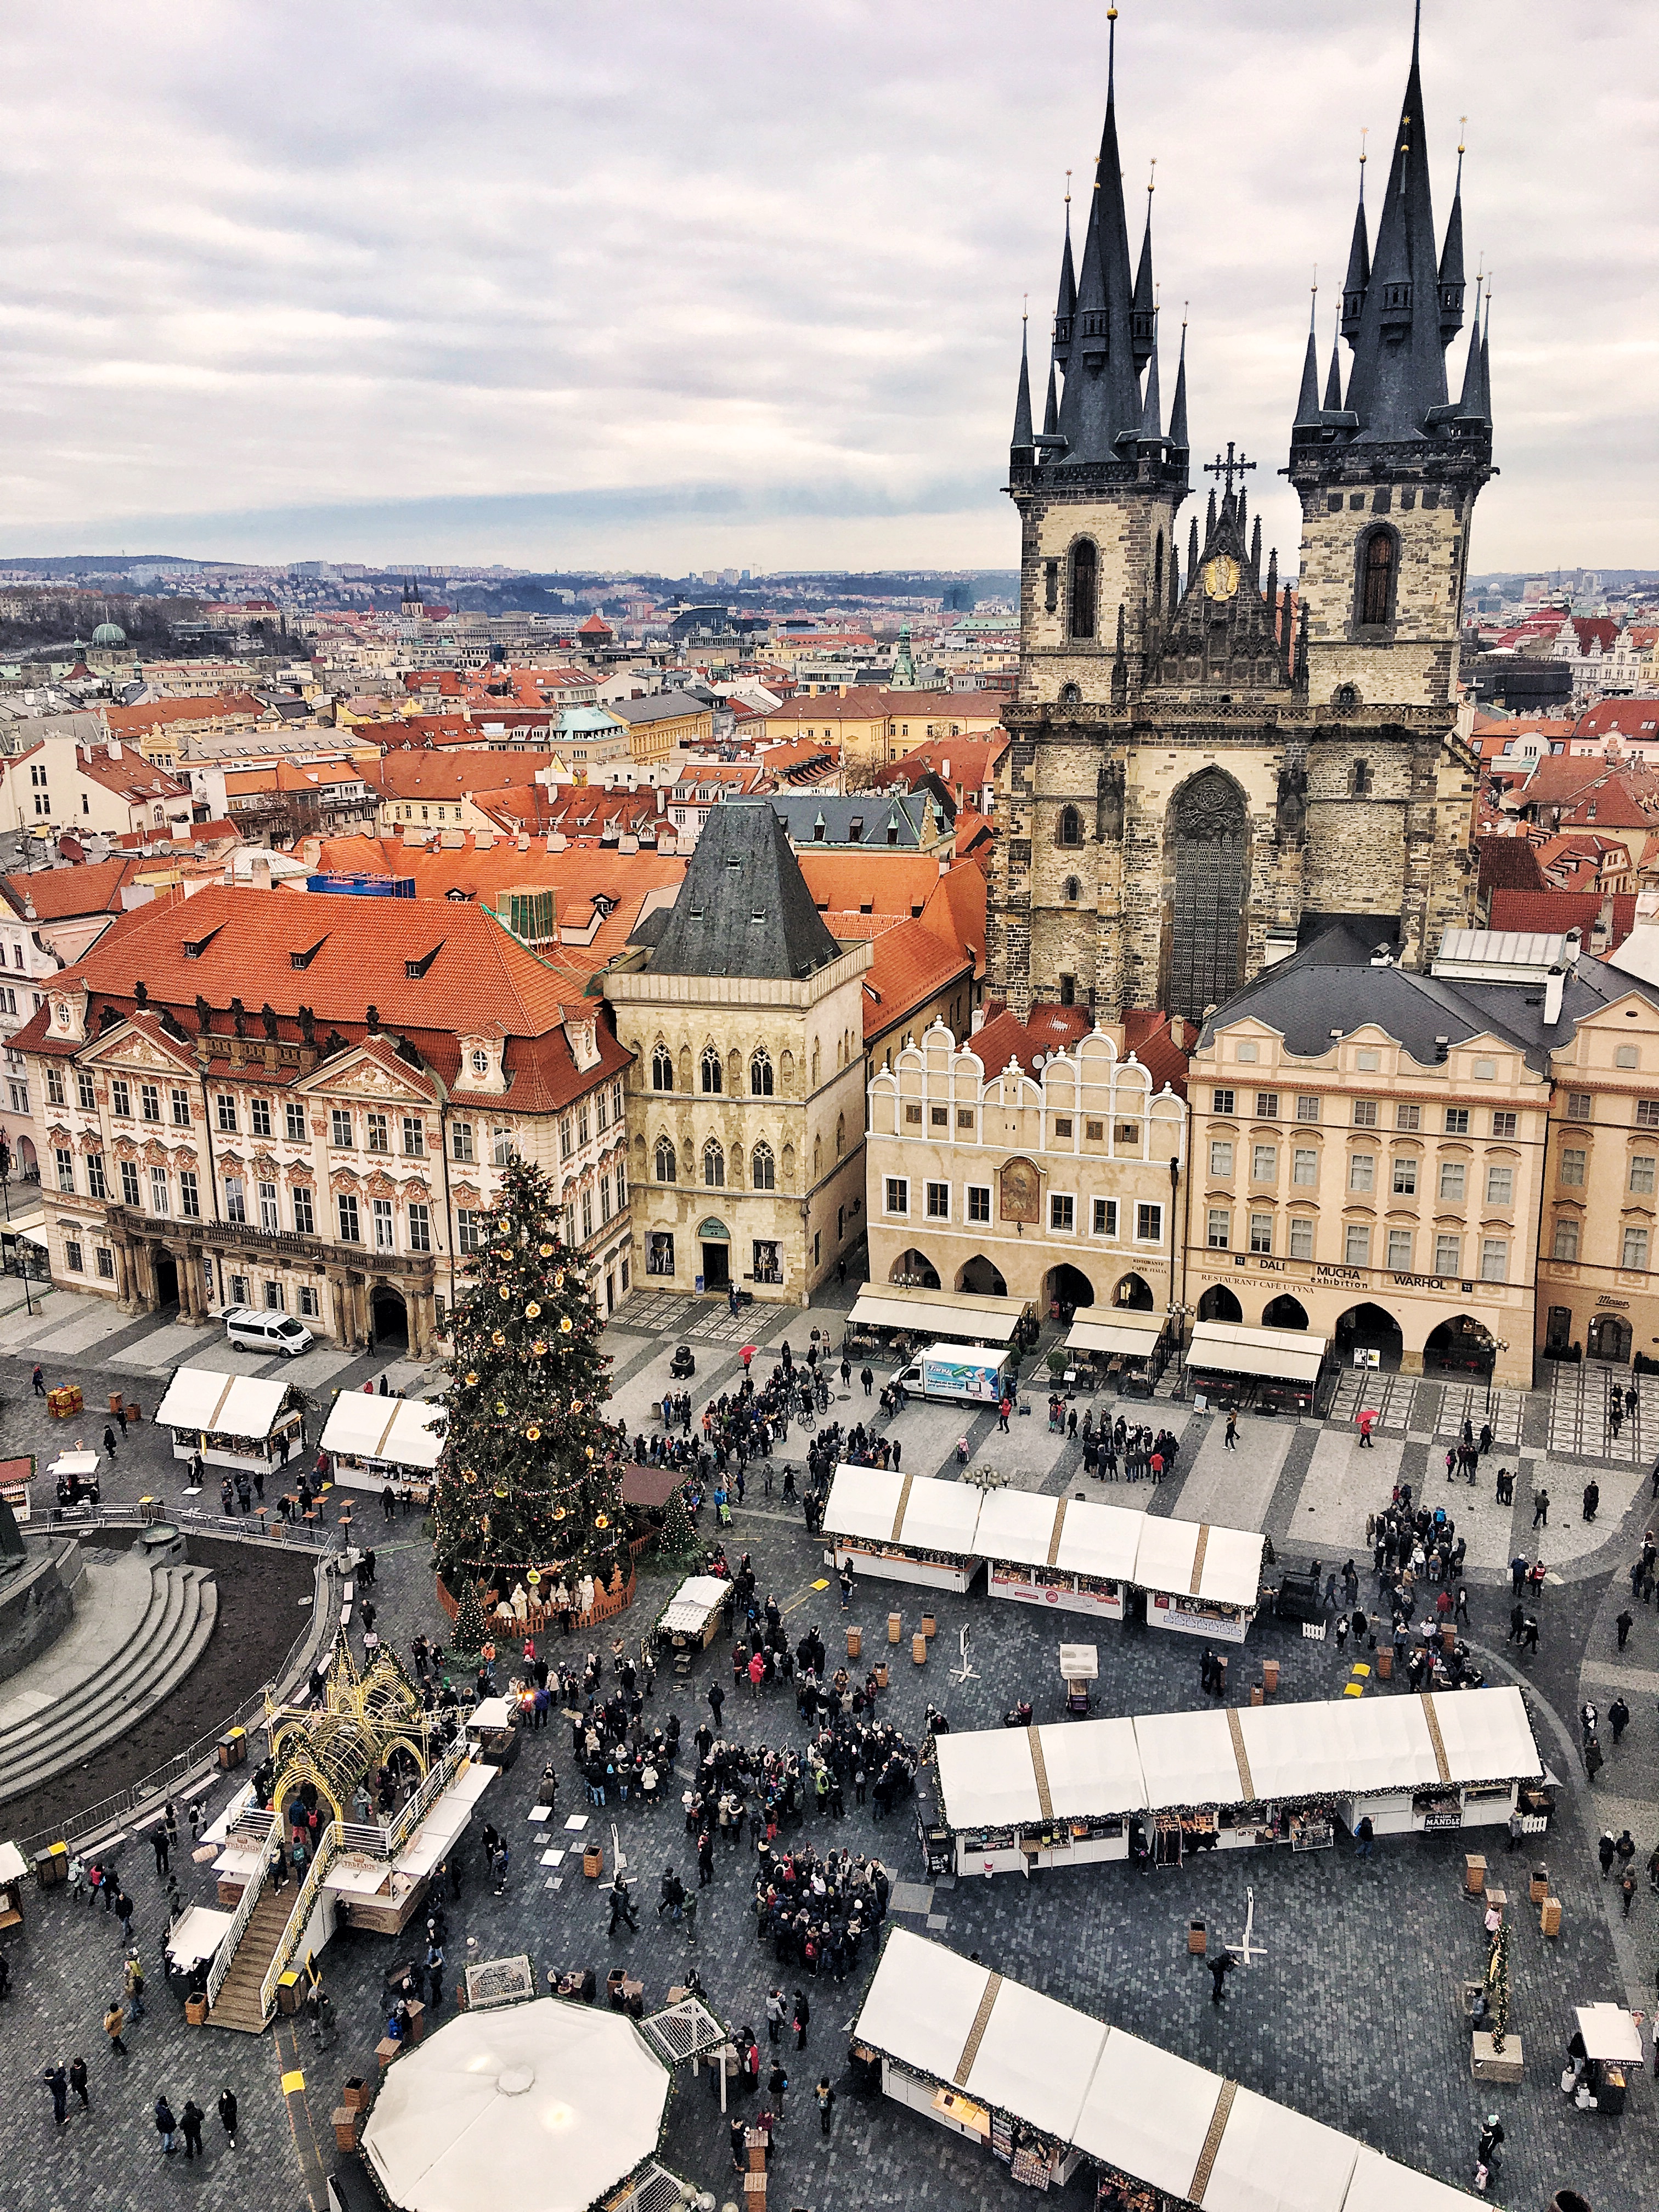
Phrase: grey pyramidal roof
[744,908]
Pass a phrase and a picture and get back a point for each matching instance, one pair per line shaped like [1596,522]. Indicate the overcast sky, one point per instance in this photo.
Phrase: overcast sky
[740,283]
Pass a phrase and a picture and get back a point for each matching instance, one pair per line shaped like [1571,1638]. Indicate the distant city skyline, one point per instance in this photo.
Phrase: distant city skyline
[744,290]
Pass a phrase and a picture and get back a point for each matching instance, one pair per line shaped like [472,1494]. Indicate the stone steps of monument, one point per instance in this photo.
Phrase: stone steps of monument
[175,1630]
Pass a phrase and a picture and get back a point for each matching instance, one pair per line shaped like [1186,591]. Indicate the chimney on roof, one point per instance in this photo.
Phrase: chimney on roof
[976,1021]
[260,877]
[115,749]
[1554,983]
[1572,946]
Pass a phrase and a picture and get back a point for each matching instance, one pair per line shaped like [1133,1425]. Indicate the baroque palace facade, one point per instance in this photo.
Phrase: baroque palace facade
[1205,767]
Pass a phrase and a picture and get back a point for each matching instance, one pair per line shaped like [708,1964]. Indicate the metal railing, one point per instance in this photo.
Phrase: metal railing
[426,1796]
[202,1521]
[237,1928]
[328,1849]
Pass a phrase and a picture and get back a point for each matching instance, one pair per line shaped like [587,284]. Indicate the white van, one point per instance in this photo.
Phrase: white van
[266,1332]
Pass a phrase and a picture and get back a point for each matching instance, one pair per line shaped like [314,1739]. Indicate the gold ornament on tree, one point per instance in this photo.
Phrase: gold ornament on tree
[532,1311]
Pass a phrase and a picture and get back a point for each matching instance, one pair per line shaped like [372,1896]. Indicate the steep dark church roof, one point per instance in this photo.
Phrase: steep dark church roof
[744,908]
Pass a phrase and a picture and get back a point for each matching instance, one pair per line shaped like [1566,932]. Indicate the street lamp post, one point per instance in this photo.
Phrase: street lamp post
[1497,1347]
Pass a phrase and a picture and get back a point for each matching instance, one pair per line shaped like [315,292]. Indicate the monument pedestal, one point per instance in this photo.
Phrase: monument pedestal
[1487,2065]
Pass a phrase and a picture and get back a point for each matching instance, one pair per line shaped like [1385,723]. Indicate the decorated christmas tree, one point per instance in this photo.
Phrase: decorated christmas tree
[676,1537]
[470,1629]
[529,1480]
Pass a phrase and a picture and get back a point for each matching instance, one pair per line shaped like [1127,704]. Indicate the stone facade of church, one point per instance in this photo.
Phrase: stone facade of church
[1206,766]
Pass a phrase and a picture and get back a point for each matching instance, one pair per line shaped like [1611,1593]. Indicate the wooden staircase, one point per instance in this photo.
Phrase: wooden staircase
[238,2005]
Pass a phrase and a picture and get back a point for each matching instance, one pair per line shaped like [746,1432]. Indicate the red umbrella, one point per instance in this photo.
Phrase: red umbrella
[747,1351]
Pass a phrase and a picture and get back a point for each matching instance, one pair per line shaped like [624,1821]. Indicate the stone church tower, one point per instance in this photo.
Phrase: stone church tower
[1206,767]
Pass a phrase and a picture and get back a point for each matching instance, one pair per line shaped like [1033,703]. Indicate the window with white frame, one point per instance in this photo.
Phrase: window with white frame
[978,1201]
[1149,1222]
[274,1301]
[259,1116]
[190,1194]
[235,1198]
[377,1138]
[414,1137]
[896,1196]
[502,1147]
[345,1204]
[1500,1185]
[1408,1116]
[460,1140]
[420,1225]
[1062,1210]
[1404,1174]
[1362,1171]
[1457,1121]
[1357,1245]
[339,1126]
[149,1102]
[1453,1180]
[1105,1221]
[1635,1253]
[1447,1253]
[65,1160]
[1264,1164]
[1262,1232]
[130,1183]
[938,1201]
[469,1231]
[270,1219]
[304,1212]
[1302,1237]
[1494,1259]
[1641,1173]
[1364,1113]
[1221,1157]
[1400,1251]
[1565,1244]
[73,1256]
[120,1098]
[1305,1168]
[159,1201]
[588,1215]
[86,1097]
[105,1259]
[225,1105]
[293,1122]
[310,1305]
[381,1209]
[1218,1228]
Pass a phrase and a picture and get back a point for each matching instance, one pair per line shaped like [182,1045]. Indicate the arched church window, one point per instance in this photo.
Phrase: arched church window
[1070,826]
[1070,696]
[1073,891]
[760,1074]
[714,1164]
[713,1076]
[1377,565]
[1158,572]
[1346,695]
[662,1069]
[665,1163]
[763,1173]
[1084,589]
[1360,778]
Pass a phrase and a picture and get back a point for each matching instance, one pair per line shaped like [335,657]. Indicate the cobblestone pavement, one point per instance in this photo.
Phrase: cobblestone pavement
[1351,2015]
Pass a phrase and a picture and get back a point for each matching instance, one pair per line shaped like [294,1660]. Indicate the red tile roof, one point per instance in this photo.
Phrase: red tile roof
[1509,864]
[912,965]
[125,722]
[63,894]
[1625,717]
[1551,914]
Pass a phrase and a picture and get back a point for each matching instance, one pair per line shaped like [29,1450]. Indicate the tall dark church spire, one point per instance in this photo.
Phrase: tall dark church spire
[1023,442]
[1399,366]
[1359,260]
[1307,405]
[1102,399]
[1066,306]
[1144,307]
[1452,285]
[1180,443]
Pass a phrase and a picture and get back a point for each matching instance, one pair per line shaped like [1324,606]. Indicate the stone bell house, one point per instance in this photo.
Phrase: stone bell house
[331,1155]
[1205,767]
[743,1021]
[1004,1170]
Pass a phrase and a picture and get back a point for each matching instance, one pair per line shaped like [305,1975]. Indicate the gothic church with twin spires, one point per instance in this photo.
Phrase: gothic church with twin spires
[1205,767]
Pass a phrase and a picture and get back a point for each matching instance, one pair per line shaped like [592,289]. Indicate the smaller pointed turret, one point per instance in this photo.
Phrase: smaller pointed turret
[1180,443]
[1256,552]
[1452,285]
[1051,410]
[1307,405]
[1023,445]
[1143,308]
[1192,544]
[1066,307]
[1470,407]
[1209,518]
[1151,413]
[1334,381]
[1358,280]
[1270,596]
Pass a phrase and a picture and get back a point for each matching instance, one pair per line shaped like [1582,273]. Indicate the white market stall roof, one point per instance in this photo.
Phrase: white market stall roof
[948,1313]
[1190,1558]
[556,2103]
[75,1463]
[1276,1355]
[404,1432]
[1151,2115]
[696,1598]
[1343,1747]
[225,1404]
[1028,1528]
[1610,2034]
[14,1866]
[1127,1332]
[873,1505]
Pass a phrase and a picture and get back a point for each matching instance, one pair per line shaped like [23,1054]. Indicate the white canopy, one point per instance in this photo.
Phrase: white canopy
[203,1398]
[1148,2112]
[1019,1526]
[1380,2185]
[403,1431]
[986,1779]
[1274,2159]
[937,1313]
[543,2107]
[75,1463]
[696,1598]
[14,1866]
[1486,1734]
[1610,2034]
[921,2006]
[1344,1746]
[1276,1355]
[1132,1334]
[1168,1551]
[1187,1759]
[1036,2058]
[866,1502]
[1093,1768]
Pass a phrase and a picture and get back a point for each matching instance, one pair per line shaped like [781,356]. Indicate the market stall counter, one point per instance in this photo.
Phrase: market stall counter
[372,1442]
[1017,1798]
[233,1421]
[1199,1579]
[906,1528]
[691,1618]
[1274,1369]
[1063,1551]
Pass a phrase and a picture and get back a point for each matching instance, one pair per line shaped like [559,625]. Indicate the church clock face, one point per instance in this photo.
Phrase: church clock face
[1220,577]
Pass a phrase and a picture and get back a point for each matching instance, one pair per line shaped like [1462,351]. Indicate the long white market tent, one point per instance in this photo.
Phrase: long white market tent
[922,1529]
[373,1441]
[932,1315]
[998,1787]
[1088,2089]
[1269,1355]
[233,1421]
[556,2103]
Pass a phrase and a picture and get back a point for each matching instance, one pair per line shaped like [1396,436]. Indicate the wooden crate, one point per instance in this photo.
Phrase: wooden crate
[1549,1917]
[1474,1874]
[346,2128]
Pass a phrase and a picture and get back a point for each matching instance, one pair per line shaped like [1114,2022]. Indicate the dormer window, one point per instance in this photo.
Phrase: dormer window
[480,1063]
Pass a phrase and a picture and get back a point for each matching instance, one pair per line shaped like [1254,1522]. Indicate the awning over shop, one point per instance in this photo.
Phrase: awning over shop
[222,1405]
[1487,1739]
[1192,1558]
[928,1314]
[1273,2160]
[403,1431]
[1147,2113]
[1189,1759]
[1380,2185]
[1133,1334]
[697,1597]
[1271,1355]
